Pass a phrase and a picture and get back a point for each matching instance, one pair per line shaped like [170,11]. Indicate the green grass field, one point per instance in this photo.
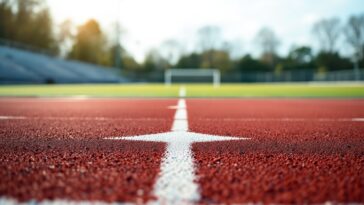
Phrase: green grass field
[193,90]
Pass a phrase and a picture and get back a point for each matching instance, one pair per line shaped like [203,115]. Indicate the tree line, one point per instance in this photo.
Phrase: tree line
[29,22]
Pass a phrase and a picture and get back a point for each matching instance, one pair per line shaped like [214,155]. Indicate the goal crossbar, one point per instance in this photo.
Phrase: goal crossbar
[215,73]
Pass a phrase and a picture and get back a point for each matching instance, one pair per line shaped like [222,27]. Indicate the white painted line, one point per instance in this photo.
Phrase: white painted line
[358,119]
[181,104]
[176,183]
[180,122]
[180,125]
[183,115]
[182,92]
[12,117]
[78,118]
[286,119]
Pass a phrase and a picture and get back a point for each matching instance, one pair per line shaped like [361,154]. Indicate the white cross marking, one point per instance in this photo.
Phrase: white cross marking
[176,183]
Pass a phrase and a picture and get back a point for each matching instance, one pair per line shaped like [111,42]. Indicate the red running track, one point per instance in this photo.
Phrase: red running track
[301,151]
[57,151]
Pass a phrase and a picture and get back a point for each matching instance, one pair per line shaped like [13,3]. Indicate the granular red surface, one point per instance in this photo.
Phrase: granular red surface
[108,108]
[285,161]
[271,108]
[300,151]
[101,170]
[57,150]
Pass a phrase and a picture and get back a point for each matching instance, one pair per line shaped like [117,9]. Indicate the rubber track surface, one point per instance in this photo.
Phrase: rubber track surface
[306,161]
[57,151]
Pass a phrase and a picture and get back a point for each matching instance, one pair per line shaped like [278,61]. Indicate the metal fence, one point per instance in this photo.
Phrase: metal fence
[301,76]
[286,76]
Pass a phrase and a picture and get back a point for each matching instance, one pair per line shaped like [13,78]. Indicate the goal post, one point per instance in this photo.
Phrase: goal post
[183,72]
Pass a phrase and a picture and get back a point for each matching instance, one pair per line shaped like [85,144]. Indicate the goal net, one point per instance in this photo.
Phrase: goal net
[192,76]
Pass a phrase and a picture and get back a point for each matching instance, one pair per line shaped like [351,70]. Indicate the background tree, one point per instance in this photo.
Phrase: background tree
[354,33]
[332,61]
[28,22]
[154,61]
[43,29]
[209,40]
[298,58]
[234,48]
[6,20]
[171,50]
[209,37]
[268,42]
[24,18]
[90,44]
[66,37]
[192,60]
[129,63]
[218,59]
[327,32]
[65,30]
[249,64]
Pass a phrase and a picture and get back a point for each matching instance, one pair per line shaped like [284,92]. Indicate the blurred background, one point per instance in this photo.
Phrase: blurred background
[112,41]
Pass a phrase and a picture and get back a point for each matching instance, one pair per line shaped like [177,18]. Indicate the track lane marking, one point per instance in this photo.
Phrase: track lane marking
[182,92]
[358,119]
[176,183]
[286,119]
[181,115]
[4,117]
[78,118]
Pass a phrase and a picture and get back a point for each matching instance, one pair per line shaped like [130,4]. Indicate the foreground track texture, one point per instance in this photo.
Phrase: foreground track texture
[54,149]
[300,151]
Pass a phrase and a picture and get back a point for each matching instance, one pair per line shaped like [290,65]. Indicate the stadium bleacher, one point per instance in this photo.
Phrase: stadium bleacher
[21,66]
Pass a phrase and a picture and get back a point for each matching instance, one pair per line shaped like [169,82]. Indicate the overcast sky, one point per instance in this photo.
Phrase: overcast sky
[148,23]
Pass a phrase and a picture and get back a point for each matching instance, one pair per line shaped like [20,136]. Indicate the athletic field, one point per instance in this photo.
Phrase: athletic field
[182,144]
[342,90]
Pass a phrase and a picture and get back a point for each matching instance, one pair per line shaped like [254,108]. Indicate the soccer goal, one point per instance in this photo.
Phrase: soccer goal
[192,75]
